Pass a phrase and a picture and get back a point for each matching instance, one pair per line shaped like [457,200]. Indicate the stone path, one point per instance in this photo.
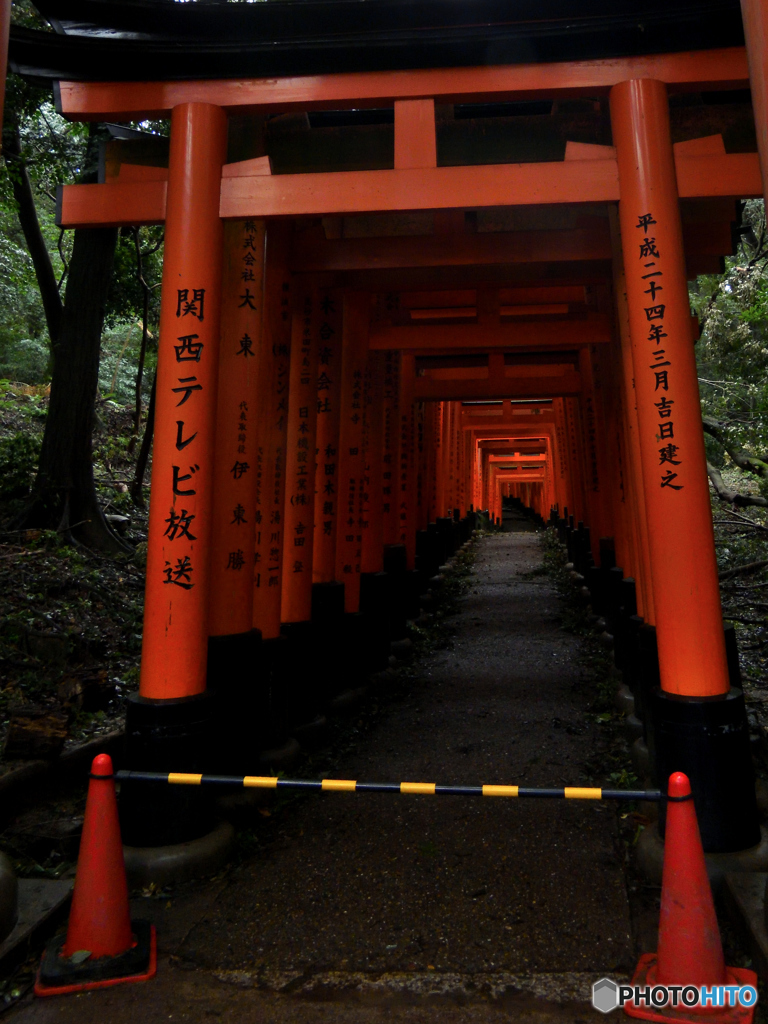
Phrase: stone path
[419,908]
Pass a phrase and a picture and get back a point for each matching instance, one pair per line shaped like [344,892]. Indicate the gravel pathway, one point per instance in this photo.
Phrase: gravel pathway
[413,906]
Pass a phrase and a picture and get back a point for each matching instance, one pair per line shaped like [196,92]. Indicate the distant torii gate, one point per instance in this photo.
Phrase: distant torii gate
[199,193]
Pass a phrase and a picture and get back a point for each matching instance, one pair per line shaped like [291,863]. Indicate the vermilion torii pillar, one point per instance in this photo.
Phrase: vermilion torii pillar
[372,523]
[694,731]
[271,426]
[351,463]
[391,447]
[639,521]
[233,663]
[174,651]
[165,723]
[299,510]
[298,517]
[327,441]
[754,14]
[406,470]
[235,461]
[270,461]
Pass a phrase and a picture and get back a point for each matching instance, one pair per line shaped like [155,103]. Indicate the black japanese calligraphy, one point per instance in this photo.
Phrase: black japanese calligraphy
[194,306]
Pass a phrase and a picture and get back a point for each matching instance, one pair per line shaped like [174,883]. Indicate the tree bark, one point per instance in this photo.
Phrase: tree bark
[64,493]
[30,226]
[741,570]
[137,487]
[730,496]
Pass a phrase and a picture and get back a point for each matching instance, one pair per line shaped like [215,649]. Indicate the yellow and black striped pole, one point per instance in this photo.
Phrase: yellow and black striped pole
[351,786]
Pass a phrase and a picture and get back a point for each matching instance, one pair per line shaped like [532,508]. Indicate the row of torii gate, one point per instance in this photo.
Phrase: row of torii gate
[330,404]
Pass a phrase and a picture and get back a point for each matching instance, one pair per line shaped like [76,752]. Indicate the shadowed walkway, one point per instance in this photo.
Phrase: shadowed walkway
[384,893]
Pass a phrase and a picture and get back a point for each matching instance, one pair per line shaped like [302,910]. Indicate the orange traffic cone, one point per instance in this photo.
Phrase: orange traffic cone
[690,951]
[102,945]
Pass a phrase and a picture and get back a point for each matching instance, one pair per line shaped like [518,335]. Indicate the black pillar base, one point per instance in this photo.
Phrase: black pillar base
[305,673]
[237,678]
[708,739]
[374,608]
[167,736]
[428,551]
[623,632]
[332,665]
[445,532]
[274,655]
[356,658]
[395,563]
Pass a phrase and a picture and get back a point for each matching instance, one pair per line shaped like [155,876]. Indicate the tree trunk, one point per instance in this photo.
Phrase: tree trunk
[64,493]
[30,226]
[137,487]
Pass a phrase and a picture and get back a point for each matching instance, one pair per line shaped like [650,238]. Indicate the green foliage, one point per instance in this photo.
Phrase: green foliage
[18,460]
[120,346]
[126,298]
[54,153]
[732,353]
[27,361]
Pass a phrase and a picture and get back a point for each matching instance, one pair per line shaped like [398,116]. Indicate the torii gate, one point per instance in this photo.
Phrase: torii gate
[200,194]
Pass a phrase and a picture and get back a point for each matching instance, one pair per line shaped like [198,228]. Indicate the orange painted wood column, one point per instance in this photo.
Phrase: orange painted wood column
[572,426]
[371,519]
[235,459]
[564,475]
[612,420]
[435,437]
[351,463]
[406,476]
[455,500]
[446,452]
[422,466]
[327,440]
[467,471]
[391,446]
[639,520]
[298,517]
[271,427]
[596,468]
[686,591]
[175,641]
[754,15]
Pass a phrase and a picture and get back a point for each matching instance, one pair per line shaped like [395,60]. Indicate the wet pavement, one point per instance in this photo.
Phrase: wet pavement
[418,908]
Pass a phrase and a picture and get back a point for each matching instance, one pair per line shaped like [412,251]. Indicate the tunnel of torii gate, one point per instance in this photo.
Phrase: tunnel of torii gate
[393,294]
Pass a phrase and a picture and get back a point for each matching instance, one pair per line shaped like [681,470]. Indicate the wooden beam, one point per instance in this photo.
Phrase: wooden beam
[111,205]
[415,134]
[566,385]
[427,188]
[283,195]
[316,255]
[596,328]
[594,273]
[135,101]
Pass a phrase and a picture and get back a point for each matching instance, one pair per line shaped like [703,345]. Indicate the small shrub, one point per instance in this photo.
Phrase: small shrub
[18,461]
[25,361]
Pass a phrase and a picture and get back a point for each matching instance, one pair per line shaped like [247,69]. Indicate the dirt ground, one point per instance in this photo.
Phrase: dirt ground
[413,908]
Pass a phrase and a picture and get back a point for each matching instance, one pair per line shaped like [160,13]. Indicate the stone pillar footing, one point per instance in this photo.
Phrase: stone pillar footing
[167,736]
[178,862]
[708,739]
